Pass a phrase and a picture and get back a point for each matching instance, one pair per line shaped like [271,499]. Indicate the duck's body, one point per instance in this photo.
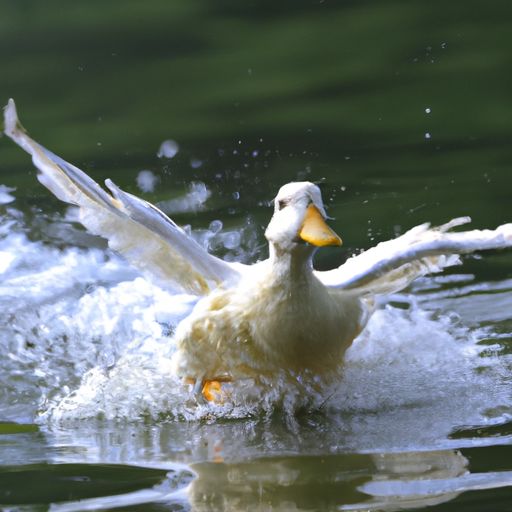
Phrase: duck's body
[275,318]
[279,314]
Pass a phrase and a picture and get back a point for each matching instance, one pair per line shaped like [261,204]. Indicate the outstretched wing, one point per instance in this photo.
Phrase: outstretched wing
[133,227]
[390,266]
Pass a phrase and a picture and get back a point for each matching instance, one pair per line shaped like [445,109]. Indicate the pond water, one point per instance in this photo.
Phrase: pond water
[400,110]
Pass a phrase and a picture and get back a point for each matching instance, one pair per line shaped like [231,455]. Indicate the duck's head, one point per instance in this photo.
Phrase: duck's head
[299,218]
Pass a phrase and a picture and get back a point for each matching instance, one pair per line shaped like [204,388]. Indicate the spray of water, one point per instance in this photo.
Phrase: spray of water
[84,336]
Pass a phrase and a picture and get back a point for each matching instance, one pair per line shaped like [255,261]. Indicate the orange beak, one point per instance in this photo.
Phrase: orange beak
[315,231]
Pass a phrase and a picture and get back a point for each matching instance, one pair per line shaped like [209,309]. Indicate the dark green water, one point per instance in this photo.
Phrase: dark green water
[401,110]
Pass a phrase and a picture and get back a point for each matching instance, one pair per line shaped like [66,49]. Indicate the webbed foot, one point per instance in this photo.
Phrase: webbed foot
[209,389]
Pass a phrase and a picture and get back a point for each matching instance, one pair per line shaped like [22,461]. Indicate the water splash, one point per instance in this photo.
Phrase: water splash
[5,194]
[84,336]
[193,201]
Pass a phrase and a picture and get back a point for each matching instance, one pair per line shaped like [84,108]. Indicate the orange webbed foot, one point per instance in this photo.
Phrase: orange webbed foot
[209,389]
[212,391]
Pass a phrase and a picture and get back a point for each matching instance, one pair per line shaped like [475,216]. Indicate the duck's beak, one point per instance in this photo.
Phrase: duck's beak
[315,231]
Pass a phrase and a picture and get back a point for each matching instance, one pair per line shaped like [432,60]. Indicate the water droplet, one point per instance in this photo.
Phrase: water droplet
[168,149]
[146,181]
[195,163]
[215,226]
[231,239]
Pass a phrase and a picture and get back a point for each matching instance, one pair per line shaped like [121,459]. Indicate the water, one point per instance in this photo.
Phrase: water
[402,112]
[87,344]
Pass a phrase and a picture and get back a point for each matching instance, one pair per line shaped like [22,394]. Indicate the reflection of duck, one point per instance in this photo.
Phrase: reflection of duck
[276,314]
[250,465]
[358,482]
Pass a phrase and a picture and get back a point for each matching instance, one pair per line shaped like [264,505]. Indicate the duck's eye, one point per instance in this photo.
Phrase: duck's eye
[282,203]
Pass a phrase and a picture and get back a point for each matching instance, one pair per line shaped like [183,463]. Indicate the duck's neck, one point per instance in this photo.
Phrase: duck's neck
[292,266]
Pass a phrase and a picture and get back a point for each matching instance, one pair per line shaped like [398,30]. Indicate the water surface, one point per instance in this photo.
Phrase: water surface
[401,110]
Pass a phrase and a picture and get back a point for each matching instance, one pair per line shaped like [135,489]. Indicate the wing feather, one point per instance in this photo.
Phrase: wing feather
[390,266]
[133,227]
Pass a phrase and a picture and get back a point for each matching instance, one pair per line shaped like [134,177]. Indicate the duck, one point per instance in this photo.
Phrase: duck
[279,314]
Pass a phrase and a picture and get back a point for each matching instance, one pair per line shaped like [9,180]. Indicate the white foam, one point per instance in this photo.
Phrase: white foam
[405,361]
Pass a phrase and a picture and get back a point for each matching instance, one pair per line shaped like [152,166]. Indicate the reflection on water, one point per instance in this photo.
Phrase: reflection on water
[232,466]
[289,483]
[78,487]
[276,484]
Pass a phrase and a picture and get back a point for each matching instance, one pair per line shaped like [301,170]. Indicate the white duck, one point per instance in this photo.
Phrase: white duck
[275,314]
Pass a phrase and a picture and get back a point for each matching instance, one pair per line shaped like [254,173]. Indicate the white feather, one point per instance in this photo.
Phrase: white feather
[133,227]
[390,266]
